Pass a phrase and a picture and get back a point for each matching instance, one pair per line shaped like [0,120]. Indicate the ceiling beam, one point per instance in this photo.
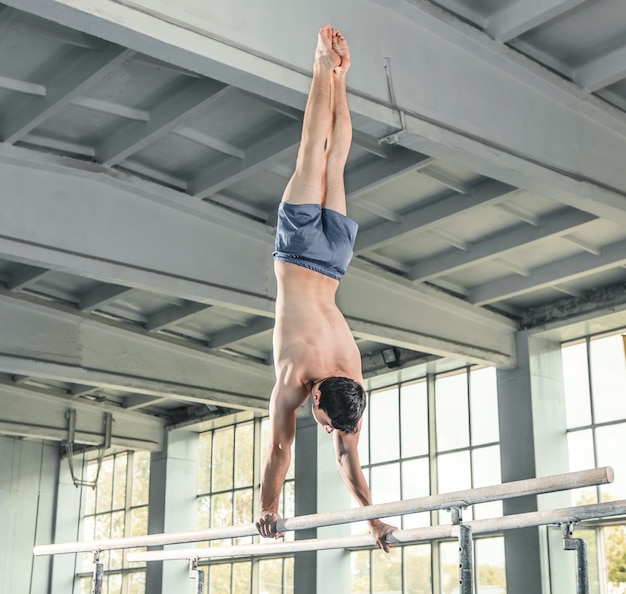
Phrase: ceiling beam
[602,71]
[520,16]
[25,276]
[257,157]
[187,100]
[101,296]
[558,223]
[372,175]
[558,272]
[61,88]
[235,334]
[240,280]
[174,314]
[438,211]
[32,413]
[531,142]
[421,318]
[45,340]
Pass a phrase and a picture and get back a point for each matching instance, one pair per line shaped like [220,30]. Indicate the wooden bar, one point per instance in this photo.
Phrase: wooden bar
[535,486]
[413,535]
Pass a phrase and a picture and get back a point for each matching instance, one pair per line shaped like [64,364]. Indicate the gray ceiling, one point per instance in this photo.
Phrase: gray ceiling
[145,148]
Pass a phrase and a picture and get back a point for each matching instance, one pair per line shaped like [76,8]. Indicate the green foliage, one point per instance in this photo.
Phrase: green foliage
[615,544]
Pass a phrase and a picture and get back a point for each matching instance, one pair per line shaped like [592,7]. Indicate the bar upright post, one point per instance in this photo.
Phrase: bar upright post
[98,574]
[466,582]
[196,574]
[582,566]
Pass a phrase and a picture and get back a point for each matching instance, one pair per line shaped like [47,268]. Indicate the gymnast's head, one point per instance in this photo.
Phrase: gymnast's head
[338,403]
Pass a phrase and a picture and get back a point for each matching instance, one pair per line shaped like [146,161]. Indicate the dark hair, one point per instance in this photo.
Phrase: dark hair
[343,400]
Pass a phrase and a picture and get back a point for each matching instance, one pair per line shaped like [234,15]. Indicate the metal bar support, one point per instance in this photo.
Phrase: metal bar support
[582,565]
[196,574]
[466,582]
[98,574]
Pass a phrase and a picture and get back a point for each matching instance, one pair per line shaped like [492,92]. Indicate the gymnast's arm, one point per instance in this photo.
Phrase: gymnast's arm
[346,450]
[278,458]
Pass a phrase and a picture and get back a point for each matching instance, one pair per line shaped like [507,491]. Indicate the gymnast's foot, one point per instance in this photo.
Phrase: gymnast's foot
[325,55]
[340,47]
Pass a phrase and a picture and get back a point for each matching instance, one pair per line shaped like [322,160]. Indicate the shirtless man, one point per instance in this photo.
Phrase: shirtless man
[314,351]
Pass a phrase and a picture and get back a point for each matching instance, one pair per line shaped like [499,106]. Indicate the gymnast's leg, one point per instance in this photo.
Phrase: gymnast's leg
[306,186]
[340,134]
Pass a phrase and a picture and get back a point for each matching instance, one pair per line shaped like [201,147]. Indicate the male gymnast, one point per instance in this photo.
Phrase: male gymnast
[314,351]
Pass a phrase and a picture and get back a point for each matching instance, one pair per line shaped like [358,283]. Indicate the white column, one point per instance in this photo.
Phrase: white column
[533,443]
[333,567]
[28,476]
[173,490]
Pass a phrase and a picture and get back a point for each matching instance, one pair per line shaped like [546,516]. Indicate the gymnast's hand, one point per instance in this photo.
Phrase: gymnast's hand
[379,531]
[266,525]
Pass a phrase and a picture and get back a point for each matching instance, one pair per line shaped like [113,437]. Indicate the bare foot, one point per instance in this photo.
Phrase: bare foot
[325,55]
[340,47]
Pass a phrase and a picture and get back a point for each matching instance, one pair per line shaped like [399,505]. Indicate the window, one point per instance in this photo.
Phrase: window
[594,374]
[117,507]
[229,478]
[436,435]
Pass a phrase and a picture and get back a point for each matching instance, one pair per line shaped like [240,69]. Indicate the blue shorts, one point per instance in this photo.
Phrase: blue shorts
[317,238]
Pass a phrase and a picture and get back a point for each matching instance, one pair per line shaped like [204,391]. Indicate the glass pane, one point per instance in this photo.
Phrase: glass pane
[291,471]
[85,585]
[414,418]
[119,482]
[453,474]
[141,479]
[449,568]
[486,471]
[576,385]
[608,378]
[105,486]
[484,406]
[117,524]
[611,444]
[289,503]
[243,507]
[114,584]
[139,521]
[204,512]
[222,510]
[88,528]
[490,567]
[387,571]
[581,457]
[615,547]
[415,483]
[417,569]
[451,414]
[90,497]
[204,462]
[385,486]
[103,527]
[384,429]
[245,455]
[288,576]
[360,572]
[364,443]
[271,576]
[137,583]
[219,578]
[242,578]
[222,468]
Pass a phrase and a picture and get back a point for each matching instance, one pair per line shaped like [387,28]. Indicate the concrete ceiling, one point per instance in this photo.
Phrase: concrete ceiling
[146,144]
